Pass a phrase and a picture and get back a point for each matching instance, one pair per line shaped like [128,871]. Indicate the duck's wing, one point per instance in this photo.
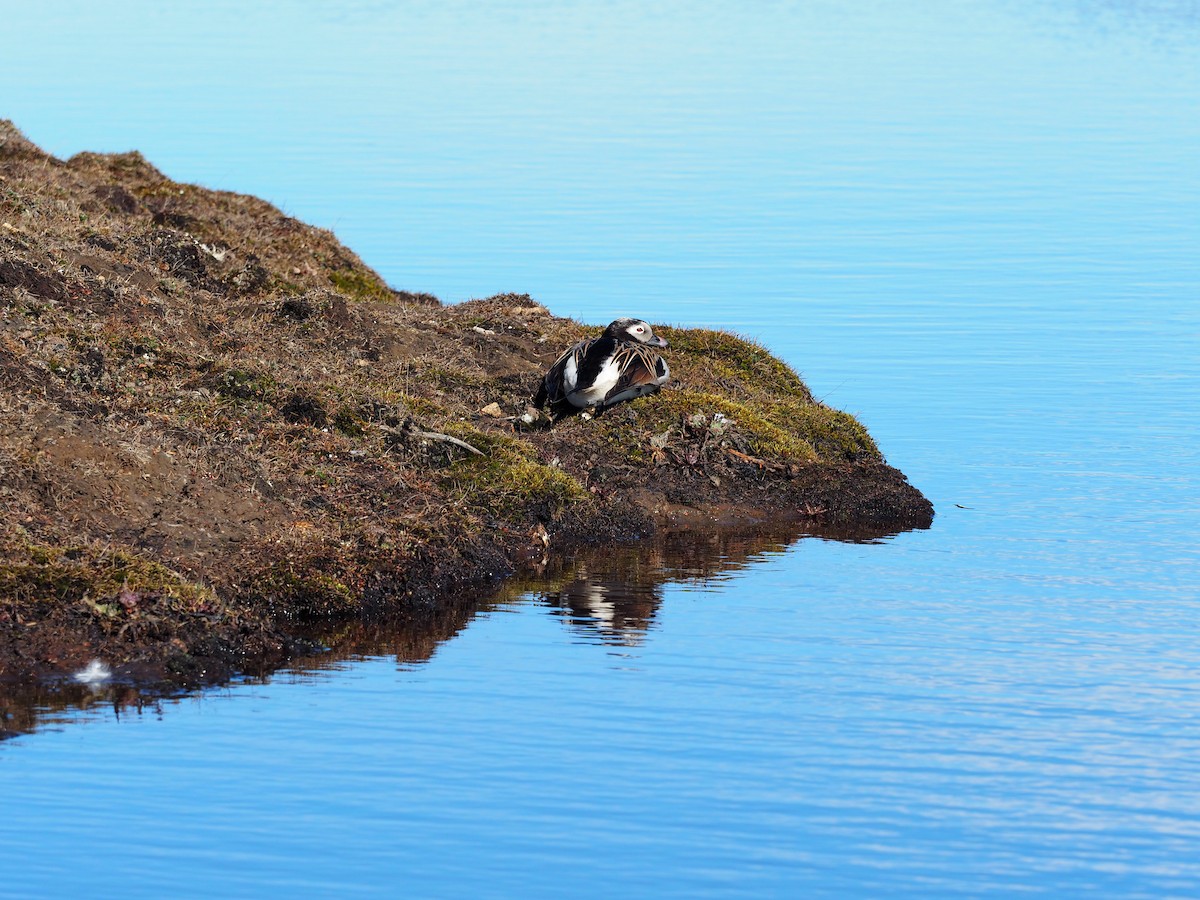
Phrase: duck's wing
[562,377]
[642,371]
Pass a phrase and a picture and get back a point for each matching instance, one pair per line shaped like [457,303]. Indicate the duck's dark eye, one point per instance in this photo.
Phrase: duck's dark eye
[639,329]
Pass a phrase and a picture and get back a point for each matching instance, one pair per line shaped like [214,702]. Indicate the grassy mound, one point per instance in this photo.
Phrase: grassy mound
[216,420]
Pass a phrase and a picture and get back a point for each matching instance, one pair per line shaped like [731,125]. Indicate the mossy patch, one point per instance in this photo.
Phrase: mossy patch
[764,437]
[241,384]
[306,593]
[735,363]
[106,583]
[836,436]
[507,478]
[350,421]
[770,406]
[360,285]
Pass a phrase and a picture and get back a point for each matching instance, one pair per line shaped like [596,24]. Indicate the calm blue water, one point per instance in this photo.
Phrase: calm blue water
[975,225]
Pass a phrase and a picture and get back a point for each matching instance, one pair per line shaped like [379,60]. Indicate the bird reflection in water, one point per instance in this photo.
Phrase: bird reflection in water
[613,596]
[606,609]
[608,596]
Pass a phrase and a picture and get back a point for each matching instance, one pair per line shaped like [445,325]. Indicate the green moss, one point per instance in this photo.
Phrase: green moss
[350,422]
[777,429]
[307,593]
[360,285]
[239,384]
[283,287]
[835,435]
[765,437]
[425,408]
[773,410]
[507,478]
[737,363]
[92,579]
[447,378]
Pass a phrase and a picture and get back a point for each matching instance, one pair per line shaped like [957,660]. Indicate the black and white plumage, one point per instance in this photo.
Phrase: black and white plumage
[619,365]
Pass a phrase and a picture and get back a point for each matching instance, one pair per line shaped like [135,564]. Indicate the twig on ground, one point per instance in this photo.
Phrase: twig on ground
[430,436]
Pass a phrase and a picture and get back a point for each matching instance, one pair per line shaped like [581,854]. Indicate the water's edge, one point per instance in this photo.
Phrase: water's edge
[611,592]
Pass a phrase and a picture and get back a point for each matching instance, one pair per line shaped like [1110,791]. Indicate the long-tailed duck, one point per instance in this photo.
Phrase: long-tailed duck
[617,366]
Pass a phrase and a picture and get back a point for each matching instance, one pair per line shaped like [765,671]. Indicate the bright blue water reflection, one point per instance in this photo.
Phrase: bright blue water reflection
[971,224]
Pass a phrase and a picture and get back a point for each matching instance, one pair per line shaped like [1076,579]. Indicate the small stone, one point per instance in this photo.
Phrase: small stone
[493,410]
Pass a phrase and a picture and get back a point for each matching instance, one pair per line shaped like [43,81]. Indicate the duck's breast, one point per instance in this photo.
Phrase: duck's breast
[605,381]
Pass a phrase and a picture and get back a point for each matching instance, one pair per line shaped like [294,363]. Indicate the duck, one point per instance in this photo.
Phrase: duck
[619,365]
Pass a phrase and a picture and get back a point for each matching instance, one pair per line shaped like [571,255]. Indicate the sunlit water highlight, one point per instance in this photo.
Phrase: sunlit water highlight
[971,224]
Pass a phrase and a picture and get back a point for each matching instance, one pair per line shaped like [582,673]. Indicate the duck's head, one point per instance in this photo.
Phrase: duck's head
[635,331]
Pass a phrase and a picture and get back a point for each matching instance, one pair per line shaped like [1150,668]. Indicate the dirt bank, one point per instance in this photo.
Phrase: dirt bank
[217,424]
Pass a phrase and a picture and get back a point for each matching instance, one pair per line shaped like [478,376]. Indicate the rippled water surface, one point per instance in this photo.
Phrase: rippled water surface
[972,224]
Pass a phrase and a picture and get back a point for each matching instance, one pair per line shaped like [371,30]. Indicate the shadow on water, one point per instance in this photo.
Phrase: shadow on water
[604,595]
